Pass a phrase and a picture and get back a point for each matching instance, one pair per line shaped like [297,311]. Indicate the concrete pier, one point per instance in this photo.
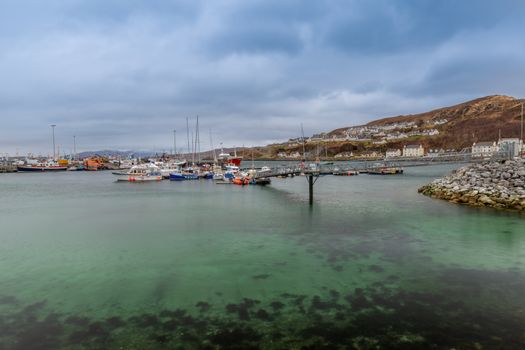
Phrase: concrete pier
[7,168]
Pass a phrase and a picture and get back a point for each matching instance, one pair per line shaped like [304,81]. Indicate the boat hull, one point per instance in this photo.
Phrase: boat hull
[345,173]
[40,169]
[134,178]
[183,177]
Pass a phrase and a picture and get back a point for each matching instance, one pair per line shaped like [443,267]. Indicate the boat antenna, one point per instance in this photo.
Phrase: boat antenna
[174,143]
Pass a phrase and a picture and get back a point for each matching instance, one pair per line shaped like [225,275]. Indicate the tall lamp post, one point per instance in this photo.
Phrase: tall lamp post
[522,122]
[53,130]
[522,150]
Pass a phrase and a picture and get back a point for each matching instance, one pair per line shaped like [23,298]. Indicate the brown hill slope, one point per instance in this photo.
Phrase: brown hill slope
[478,120]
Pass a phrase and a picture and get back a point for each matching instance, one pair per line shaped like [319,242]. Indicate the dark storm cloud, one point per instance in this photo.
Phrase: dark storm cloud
[389,26]
[123,74]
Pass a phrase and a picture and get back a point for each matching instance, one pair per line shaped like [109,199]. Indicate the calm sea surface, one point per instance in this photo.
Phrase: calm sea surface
[86,262]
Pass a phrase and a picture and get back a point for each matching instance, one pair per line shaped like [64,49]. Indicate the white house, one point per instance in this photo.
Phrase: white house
[413,151]
[344,155]
[484,149]
[392,153]
[511,147]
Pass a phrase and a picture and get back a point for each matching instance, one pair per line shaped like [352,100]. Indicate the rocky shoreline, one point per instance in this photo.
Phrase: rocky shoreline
[496,185]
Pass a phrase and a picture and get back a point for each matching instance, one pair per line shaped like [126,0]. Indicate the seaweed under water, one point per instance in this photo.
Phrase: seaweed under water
[371,318]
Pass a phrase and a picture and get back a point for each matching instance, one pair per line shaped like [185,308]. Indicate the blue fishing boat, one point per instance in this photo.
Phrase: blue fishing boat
[191,176]
[181,176]
[177,177]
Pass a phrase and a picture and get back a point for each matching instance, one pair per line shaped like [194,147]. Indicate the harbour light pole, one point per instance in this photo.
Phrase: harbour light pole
[522,124]
[74,147]
[53,130]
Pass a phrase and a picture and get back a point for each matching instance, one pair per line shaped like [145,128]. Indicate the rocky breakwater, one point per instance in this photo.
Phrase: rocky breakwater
[497,185]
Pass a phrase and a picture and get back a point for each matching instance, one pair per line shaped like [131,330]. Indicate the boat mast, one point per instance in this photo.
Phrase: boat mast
[188,134]
[192,149]
[53,130]
[213,149]
[74,147]
[198,141]
[174,143]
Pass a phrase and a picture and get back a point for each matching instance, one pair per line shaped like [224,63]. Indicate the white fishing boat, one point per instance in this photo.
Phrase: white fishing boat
[141,173]
[167,168]
[218,174]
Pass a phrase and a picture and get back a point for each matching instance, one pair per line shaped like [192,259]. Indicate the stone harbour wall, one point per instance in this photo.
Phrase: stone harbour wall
[494,184]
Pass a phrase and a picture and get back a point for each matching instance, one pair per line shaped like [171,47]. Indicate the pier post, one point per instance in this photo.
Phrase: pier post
[311,188]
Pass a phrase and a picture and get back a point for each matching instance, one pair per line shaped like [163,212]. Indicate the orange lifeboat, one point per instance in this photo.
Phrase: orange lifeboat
[240,181]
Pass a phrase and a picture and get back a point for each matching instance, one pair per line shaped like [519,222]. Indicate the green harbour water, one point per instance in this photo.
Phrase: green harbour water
[89,263]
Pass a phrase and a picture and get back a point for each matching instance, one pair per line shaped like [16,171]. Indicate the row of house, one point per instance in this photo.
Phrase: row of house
[511,147]
[407,151]
[378,134]
[294,155]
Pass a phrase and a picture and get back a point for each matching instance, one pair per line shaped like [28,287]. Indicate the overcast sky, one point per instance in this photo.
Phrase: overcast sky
[122,74]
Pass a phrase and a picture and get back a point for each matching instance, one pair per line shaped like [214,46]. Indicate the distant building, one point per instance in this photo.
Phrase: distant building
[379,142]
[484,149]
[295,155]
[413,151]
[344,155]
[392,153]
[318,137]
[510,147]
[371,154]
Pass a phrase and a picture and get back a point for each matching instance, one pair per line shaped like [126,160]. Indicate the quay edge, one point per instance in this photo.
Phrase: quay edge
[8,169]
